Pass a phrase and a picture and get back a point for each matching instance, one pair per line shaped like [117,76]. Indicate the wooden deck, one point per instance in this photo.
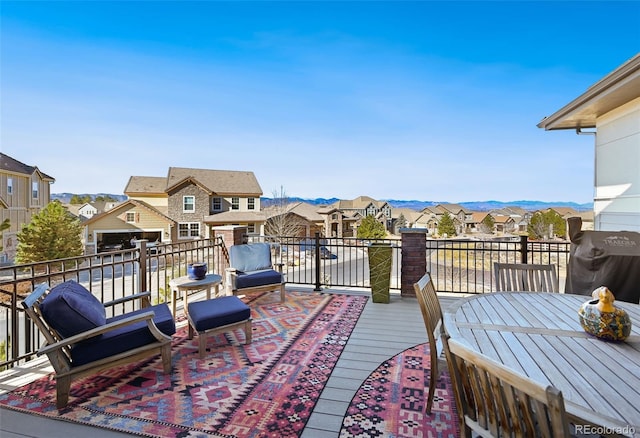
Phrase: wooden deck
[382,331]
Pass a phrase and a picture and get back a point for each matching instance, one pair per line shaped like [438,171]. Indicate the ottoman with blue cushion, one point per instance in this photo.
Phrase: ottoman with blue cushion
[218,315]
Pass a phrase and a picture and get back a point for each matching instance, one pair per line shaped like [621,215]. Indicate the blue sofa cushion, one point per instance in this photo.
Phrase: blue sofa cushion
[124,338]
[250,257]
[70,309]
[217,312]
[258,278]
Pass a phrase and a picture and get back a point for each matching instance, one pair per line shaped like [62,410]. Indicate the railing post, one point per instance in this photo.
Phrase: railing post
[142,266]
[317,251]
[524,249]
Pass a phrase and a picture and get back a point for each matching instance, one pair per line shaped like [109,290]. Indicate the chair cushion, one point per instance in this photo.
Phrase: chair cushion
[71,309]
[258,278]
[217,312]
[124,338]
[250,257]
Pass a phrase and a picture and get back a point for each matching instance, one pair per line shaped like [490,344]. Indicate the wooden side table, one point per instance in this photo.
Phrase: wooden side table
[185,284]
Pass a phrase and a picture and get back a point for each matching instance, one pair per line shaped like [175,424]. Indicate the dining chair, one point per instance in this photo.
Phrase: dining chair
[526,277]
[495,401]
[432,315]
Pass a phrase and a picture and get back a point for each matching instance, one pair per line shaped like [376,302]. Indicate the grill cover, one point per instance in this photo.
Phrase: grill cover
[604,258]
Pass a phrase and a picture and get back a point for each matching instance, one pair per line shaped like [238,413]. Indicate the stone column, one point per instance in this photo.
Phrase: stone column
[414,259]
[231,234]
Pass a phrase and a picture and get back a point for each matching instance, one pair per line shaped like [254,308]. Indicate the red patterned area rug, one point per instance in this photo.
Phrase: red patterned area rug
[391,402]
[265,389]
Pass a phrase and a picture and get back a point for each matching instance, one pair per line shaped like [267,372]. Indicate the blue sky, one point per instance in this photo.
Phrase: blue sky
[425,100]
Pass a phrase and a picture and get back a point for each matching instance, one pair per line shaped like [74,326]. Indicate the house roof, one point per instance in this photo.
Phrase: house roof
[451,208]
[221,182]
[478,216]
[614,90]
[146,184]
[409,214]
[127,204]
[563,211]
[9,164]
[307,211]
[500,219]
[234,217]
[357,203]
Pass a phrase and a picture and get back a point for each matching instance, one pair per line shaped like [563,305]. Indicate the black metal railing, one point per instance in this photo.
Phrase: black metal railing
[457,266]
[108,276]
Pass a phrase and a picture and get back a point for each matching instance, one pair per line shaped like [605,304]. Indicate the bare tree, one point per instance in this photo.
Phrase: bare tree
[281,221]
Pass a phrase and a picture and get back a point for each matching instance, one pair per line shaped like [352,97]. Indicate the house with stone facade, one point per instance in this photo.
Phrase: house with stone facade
[343,217]
[24,191]
[185,205]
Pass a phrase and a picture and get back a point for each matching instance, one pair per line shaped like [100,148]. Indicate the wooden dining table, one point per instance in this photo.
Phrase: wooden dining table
[538,334]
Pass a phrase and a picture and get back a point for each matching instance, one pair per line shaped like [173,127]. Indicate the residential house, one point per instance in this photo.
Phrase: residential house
[520,216]
[405,218]
[24,192]
[504,224]
[338,223]
[462,218]
[610,110]
[89,209]
[478,223]
[429,219]
[184,205]
[343,217]
[299,219]
[127,222]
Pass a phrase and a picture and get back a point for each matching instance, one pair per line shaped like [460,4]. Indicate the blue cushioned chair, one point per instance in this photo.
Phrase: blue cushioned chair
[251,269]
[81,340]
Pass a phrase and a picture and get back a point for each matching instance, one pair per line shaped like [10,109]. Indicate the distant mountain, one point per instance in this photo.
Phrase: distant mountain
[412,204]
[473,205]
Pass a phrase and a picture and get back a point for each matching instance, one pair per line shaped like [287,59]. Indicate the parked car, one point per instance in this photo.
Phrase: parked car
[110,247]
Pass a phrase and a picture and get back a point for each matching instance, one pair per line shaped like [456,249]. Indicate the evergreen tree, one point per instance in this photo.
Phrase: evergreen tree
[105,198]
[77,199]
[370,228]
[546,225]
[401,222]
[446,225]
[487,224]
[52,234]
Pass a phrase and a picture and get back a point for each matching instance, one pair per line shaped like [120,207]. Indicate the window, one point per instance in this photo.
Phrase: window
[216,204]
[251,228]
[235,203]
[251,203]
[188,204]
[131,217]
[34,190]
[188,229]
[9,186]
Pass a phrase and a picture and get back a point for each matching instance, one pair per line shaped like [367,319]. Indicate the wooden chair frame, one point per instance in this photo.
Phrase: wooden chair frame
[58,349]
[432,316]
[494,401]
[232,274]
[526,277]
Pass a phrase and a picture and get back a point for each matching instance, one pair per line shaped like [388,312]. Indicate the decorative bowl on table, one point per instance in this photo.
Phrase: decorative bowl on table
[600,318]
[196,271]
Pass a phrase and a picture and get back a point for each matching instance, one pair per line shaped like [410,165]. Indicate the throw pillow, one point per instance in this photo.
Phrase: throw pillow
[71,309]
